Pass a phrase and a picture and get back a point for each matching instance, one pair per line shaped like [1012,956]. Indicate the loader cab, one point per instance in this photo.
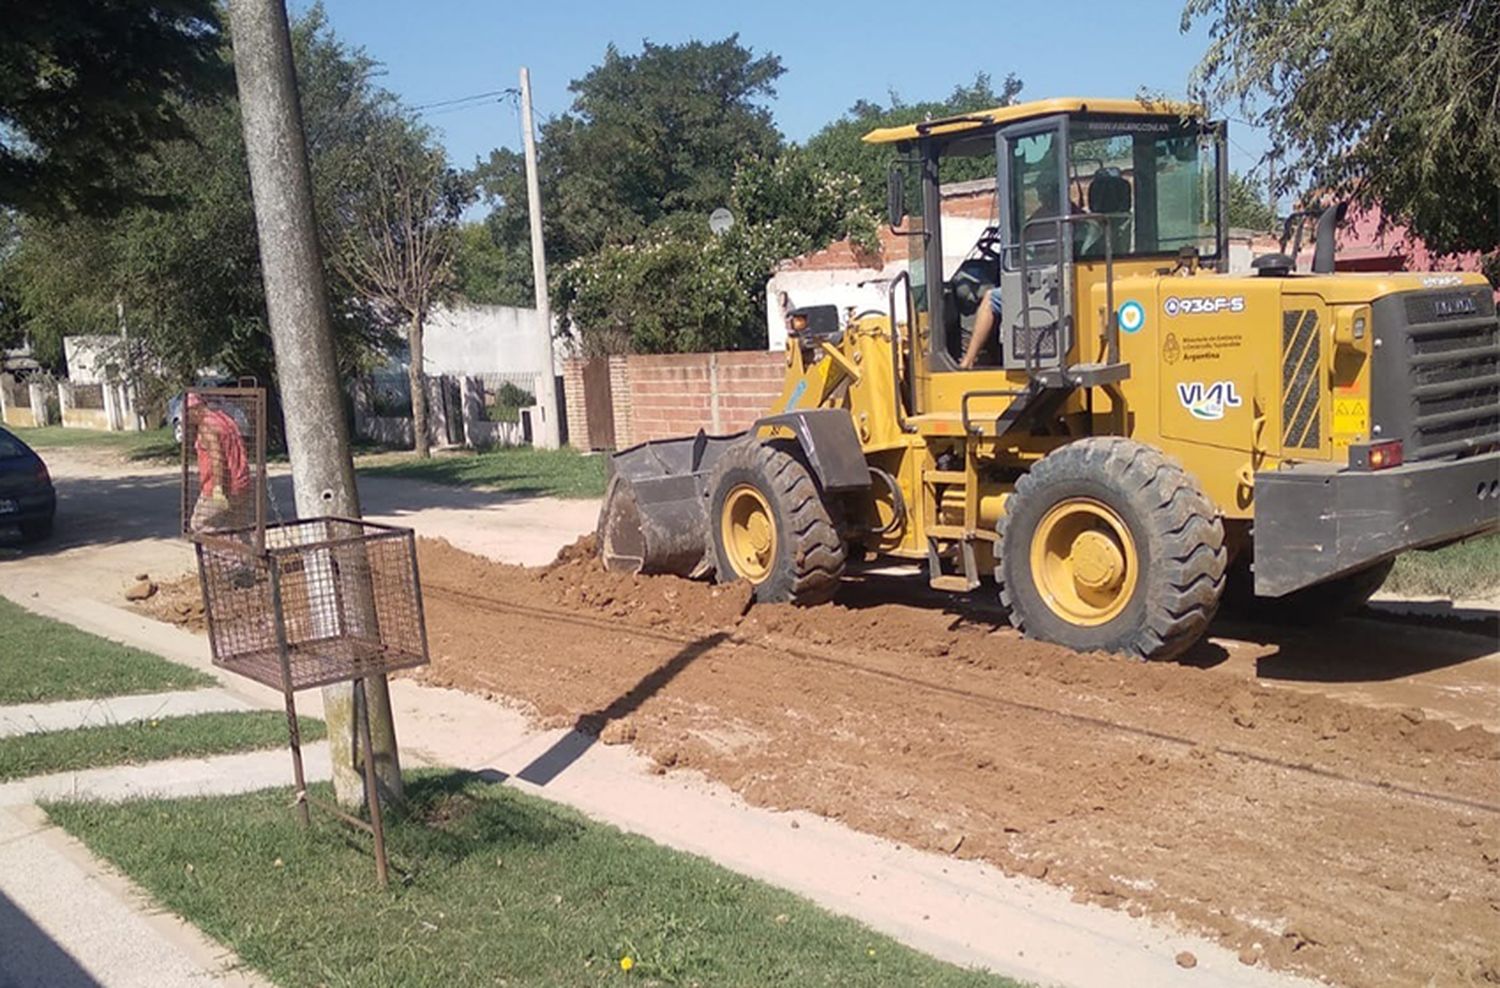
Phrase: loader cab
[1078,193]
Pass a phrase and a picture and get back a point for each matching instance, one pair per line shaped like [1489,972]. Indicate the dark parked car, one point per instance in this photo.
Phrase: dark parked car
[27,499]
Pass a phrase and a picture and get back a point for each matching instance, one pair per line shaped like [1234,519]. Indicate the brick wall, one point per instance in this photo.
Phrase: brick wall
[575,408]
[665,395]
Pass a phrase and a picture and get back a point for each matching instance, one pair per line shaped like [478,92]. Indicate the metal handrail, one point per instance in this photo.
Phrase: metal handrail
[1111,327]
[911,316]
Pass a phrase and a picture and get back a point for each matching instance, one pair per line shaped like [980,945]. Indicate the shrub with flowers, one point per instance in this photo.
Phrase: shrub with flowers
[678,288]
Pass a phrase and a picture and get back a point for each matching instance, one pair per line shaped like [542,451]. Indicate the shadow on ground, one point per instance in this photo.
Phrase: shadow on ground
[100,511]
[28,956]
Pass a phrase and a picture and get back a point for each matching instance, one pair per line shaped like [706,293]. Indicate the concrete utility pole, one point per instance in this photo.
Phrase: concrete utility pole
[551,437]
[302,335]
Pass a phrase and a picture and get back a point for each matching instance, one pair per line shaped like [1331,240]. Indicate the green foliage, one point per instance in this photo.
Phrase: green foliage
[522,470]
[682,289]
[88,86]
[47,660]
[1389,102]
[648,136]
[490,270]
[187,271]
[1463,571]
[840,145]
[489,885]
[140,741]
[1248,206]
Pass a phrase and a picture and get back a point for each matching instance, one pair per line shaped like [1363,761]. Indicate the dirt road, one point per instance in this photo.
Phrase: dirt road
[1310,832]
[1323,801]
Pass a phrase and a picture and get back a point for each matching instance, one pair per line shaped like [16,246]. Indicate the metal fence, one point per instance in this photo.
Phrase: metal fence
[504,395]
[89,396]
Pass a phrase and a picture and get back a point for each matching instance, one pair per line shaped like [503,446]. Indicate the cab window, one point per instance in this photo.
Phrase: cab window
[1153,183]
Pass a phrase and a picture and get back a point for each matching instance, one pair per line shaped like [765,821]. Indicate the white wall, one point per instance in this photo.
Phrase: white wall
[87,356]
[485,339]
[854,290]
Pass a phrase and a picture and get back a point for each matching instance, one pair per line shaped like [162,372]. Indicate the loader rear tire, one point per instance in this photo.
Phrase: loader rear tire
[1109,545]
[769,525]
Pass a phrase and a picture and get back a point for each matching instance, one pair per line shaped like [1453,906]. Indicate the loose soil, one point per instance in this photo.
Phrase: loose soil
[1354,843]
[1309,832]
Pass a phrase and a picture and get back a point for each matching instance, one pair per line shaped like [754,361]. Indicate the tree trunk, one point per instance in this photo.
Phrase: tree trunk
[418,390]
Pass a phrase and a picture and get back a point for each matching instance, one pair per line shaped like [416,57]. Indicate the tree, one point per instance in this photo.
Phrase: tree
[840,145]
[647,136]
[88,86]
[1248,207]
[186,267]
[1391,103]
[681,289]
[398,253]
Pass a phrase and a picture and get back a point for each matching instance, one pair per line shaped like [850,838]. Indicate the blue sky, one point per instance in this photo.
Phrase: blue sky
[834,52]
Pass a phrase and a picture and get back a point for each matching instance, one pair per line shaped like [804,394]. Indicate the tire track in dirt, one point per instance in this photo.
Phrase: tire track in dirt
[1353,843]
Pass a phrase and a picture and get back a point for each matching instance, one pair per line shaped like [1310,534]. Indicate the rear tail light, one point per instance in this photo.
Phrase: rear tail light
[1382,456]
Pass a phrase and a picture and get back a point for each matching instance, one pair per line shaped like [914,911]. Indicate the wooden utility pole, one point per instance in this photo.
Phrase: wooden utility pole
[551,437]
[317,435]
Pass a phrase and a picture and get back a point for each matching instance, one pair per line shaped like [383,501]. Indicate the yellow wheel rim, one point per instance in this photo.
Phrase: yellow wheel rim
[1084,562]
[748,531]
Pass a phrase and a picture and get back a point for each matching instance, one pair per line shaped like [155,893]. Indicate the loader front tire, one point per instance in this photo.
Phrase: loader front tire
[770,526]
[1109,545]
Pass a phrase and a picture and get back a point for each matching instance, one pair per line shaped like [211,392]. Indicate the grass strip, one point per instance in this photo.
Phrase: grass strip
[490,887]
[1463,571]
[153,444]
[139,741]
[42,660]
[521,470]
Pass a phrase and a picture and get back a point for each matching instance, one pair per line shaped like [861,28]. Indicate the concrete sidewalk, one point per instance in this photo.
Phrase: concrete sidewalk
[68,715]
[961,911]
[69,921]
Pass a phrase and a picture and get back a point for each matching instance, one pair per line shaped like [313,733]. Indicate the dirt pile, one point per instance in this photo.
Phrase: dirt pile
[1343,840]
[178,602]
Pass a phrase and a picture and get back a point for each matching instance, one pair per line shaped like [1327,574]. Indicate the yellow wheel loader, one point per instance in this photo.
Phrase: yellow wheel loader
[1133,428]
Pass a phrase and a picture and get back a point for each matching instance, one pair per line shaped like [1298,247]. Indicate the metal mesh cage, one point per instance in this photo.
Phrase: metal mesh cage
[328,600]
[224,462]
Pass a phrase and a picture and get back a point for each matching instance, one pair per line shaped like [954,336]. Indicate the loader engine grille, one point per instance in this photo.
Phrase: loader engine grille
[1301,394]
[1436,372]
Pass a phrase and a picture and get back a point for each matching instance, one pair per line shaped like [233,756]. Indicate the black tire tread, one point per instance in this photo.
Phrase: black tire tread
[1183,527]
[810,573]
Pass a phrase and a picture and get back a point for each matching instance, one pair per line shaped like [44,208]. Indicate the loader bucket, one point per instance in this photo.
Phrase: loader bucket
[655,514]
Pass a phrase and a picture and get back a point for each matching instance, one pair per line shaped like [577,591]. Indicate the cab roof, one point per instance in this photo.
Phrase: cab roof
[1024,111]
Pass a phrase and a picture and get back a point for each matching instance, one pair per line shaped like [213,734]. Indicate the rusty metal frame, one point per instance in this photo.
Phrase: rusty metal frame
[225,558]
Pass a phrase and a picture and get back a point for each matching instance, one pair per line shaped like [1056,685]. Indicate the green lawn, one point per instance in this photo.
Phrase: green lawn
[499,889]
[1464,571]
[142,741]
[521,470]
[155,444]
[42,659]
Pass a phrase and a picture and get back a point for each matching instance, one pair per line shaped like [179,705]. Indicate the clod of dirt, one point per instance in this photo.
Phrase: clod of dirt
[1186,959]
[1250,956]
[1242,710]
[141,589]
[584,549]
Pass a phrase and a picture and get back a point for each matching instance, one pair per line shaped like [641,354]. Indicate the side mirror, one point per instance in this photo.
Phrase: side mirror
[895,196]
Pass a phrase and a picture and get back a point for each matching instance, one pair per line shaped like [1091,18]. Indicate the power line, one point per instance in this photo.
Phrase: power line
[468,99]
